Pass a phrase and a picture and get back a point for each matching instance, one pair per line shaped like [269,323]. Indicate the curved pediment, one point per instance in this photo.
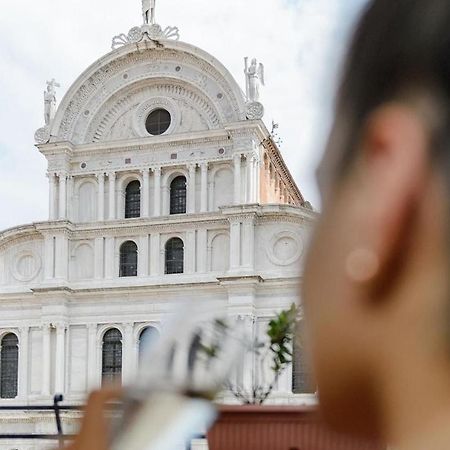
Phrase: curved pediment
[110,100]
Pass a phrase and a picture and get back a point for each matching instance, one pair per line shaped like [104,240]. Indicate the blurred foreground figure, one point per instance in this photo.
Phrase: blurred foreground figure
[377,295]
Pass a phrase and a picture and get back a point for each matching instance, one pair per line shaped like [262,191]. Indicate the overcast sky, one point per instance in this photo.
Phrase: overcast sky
[299,41]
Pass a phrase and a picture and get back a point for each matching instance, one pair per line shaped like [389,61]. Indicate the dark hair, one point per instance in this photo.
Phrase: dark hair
[398,45]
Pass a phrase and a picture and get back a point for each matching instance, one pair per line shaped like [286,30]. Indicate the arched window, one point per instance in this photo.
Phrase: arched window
[178,196]
[133,200]
[9,366]
[112,357]
[146,338]
[301,372]
[128,259]
[174,256]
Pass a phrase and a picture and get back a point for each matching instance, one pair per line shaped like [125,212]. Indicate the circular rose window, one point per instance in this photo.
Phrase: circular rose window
[158,122]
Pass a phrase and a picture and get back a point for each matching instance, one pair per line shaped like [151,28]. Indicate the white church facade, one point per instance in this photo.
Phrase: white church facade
[164,186]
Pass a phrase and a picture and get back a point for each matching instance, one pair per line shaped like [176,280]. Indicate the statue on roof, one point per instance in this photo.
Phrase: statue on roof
[254,79]
[148,11]
[50,101]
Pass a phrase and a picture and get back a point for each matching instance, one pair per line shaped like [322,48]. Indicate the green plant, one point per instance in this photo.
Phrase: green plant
[275,350]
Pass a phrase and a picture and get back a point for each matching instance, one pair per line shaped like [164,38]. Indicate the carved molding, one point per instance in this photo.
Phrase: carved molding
[96,90]
[287,238]
[16,270]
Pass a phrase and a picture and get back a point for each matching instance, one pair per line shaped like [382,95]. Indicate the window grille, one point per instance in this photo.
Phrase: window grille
[112,357]
[128,259]
[9,366]
[178,196]
[133,200]
[301,373]
[158,122]
[174,256]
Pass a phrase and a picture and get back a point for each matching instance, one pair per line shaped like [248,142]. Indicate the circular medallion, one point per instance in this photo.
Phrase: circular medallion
[155,32]
[255,111]
[285,248]
[27,266]
[42,136]
[135,34]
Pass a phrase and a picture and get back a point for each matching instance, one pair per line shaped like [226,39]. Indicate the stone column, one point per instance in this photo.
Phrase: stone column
[191,188]
[145,202]
[92,374]
[71,198]
[248,369]
[99,260]
[143,256]
[235,244]
[110,260]
[248,252]
[46,360]
[155,264]
[190,252]
[211,196]
[23,362]
[62,196]
[49,261]
[101,197]
[60,359]
[62,257]
[250,178]
[202,251]
[52,197]
[237,179]
[204,186]
[112,195]
[255,184]
[157,191]
[127,360]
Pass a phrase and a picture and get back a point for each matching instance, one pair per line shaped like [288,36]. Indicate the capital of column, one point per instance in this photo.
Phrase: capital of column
[204,165]
[237,158]
[129,326]
[60,326]
[62,175]
[100,176]
[51,176]
[46,326]
[192,168]
[92,327]
[248,318]
[24,330]
[156,170]
[111,175]
[145,171]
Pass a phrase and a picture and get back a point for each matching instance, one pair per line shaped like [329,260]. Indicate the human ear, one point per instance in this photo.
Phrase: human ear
[392,171]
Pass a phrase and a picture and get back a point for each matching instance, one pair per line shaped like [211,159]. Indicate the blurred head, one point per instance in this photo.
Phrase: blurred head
[376,291]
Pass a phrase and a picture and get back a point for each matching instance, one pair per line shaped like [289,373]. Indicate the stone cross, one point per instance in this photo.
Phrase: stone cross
[50,101]
[148,11]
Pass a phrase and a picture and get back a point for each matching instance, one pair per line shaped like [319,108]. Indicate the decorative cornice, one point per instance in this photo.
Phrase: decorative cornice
[233,131]
[282,169]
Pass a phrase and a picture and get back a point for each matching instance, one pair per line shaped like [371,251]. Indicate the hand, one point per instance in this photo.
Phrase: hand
[95,432]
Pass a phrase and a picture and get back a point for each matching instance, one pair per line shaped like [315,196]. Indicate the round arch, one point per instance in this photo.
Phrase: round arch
[176,61]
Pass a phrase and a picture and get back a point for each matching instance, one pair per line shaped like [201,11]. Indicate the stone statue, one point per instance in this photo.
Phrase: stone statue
[50,101]
[148,11]
[254,79]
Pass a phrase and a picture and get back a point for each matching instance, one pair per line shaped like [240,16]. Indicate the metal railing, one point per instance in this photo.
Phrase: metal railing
[56,408]
[60,436]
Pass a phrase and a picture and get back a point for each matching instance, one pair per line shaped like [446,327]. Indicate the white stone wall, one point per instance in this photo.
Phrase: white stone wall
[60,289]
